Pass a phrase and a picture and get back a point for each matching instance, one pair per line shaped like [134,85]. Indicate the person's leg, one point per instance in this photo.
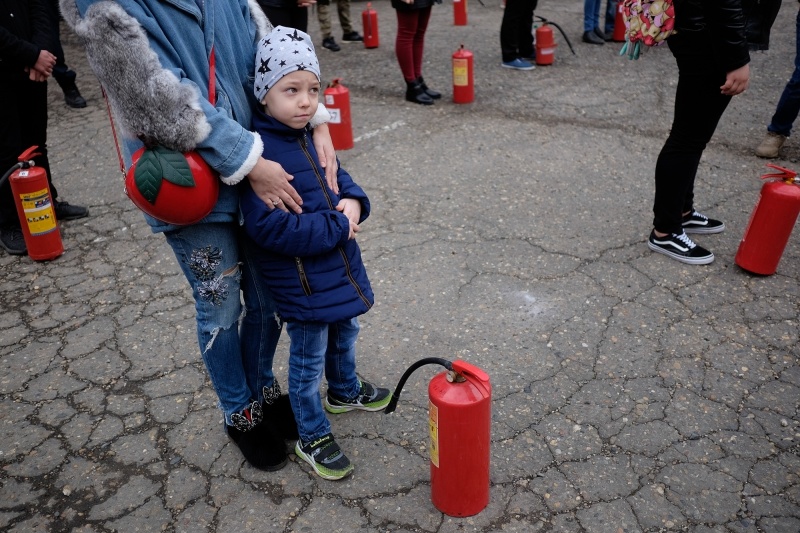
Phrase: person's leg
[698,107]
[509,30]
[423,16]
[404,43]
[525,30]
[611,17]
[340,361]
[789,103]
[588,15]
[308,343]
[289,17]
[343,10]
[11,117]
[324,18]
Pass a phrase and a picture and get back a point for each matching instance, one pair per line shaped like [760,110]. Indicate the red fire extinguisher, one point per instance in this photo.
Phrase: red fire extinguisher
[460,12]
[771,222]
[545,45]
[369,21]
[35,207]
[337,101]
[463,84]
[459,419]
[619,24]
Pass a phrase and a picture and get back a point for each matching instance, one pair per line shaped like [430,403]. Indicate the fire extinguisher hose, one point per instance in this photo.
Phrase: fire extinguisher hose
[422,362]
[10,171]
[545,21]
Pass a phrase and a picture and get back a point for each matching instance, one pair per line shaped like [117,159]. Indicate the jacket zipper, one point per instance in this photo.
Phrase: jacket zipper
[301,271]
[304,145]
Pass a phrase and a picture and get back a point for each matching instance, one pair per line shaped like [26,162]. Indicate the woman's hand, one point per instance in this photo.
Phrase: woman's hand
[327,155]
[271,183]
[736,81]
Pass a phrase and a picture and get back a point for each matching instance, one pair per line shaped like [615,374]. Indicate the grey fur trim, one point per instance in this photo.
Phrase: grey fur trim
[263,25]
[252,158]
[149,102]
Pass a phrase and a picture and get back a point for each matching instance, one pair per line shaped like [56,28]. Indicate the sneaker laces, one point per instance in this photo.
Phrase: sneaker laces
[685,239]
[695,214]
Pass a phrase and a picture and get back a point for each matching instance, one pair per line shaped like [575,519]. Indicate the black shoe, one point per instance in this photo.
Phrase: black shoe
[352,37]
[74,99]
[592,38]
[430,92]
[65,211]
[278,412]
[415,93]
[696,222]
[330,44]
[681,248]
[599,33]
[257,439]
[12,240]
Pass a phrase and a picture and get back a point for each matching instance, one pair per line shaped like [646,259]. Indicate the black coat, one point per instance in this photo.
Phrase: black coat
[759,15]
[418,4]
[715,26]
[25,30]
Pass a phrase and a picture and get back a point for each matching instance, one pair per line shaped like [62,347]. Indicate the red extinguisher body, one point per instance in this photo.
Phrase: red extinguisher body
[369,21]
[619,24]
[460,12]
[460,432]
[36,209]
[770,225]
[545,45]
[337,101]
[463,83]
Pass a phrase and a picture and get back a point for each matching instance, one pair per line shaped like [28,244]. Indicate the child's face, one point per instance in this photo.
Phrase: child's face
[293,100]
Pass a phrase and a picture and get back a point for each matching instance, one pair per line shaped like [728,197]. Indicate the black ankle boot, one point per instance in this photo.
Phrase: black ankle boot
[279,414]
[258,439]
[430,92]
[415,93]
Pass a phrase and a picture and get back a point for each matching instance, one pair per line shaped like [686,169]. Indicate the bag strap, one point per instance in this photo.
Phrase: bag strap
[212,97]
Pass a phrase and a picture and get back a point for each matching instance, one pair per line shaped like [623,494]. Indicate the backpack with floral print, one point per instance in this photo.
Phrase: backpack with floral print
[647,22]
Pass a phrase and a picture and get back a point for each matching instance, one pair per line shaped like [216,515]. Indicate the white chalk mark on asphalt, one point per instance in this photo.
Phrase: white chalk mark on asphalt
[388,127]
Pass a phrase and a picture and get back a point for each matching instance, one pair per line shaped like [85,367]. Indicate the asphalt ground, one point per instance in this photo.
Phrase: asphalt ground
[630,392]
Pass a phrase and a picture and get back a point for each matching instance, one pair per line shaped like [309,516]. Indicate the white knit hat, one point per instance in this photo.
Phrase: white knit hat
[281,52]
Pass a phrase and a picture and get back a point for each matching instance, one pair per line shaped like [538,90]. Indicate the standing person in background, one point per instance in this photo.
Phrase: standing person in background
[516,35]
[65,76]
[349,35]
[412,22]
[711,50]
[26,62]
[155,60]
[592,33]
[611,19]
[780,127]
[289,13]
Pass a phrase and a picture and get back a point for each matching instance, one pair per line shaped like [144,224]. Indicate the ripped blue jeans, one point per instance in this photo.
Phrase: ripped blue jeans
[217,265]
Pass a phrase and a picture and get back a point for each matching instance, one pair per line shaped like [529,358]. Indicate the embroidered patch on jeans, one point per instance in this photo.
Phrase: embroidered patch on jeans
[271,393]
[203,263]
[248,418]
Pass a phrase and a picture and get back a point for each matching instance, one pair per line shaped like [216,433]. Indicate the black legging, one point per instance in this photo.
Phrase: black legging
[516,37]
[699,104]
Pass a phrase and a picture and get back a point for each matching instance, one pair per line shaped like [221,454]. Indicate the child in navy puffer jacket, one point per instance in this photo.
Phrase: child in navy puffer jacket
[310,262]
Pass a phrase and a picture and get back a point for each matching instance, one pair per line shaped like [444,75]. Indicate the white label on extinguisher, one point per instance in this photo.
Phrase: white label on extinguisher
[433,428]
[336,116]
[38,211]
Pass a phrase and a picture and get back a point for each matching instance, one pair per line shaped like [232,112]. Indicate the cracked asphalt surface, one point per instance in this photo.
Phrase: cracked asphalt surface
[631,392]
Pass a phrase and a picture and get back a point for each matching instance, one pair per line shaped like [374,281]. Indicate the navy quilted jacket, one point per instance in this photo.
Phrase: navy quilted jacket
[313,271]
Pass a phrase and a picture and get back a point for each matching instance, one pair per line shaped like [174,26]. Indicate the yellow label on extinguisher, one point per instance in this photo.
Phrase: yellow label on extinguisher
[433,429]
[38,211]
[460,72]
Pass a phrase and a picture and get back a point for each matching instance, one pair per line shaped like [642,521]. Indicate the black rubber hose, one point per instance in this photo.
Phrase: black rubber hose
[422,362]
[10,171]
[542,19]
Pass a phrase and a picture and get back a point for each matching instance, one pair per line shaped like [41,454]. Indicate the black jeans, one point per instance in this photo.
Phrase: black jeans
[516,37]
[699,104]
[24,123]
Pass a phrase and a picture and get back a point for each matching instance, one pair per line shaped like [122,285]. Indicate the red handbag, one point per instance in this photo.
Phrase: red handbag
[174,187]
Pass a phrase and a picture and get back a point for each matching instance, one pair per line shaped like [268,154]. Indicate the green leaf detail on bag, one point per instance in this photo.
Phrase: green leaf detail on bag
[160,163]
[147,176]
[175,167]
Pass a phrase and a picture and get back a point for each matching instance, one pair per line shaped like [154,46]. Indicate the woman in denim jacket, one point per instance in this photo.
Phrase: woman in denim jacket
[152,58]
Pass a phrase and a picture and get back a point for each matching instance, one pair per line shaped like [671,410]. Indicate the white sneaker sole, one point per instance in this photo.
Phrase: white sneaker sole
[683,259]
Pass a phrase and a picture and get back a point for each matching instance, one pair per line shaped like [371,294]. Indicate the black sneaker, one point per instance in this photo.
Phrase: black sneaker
[370,398]
[325,457]
[66,211]
[352,37]
[12,240]
[680,247]
[695,222]
[330,44]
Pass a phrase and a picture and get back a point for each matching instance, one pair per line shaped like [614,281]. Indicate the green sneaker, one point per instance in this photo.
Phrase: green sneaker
[370,398]
[325,457]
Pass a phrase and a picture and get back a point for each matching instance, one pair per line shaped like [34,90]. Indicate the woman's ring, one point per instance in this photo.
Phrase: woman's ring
[275,202]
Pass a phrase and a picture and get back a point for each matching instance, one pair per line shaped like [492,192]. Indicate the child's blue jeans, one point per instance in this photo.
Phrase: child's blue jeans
[316,346]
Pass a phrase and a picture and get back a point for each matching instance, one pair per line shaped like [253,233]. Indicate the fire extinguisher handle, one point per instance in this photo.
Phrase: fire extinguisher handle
[784,174]
[422,362]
